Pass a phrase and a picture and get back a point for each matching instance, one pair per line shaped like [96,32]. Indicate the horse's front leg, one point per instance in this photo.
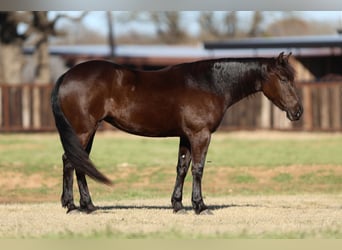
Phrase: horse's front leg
[67,198]
[199,148]
[184,159]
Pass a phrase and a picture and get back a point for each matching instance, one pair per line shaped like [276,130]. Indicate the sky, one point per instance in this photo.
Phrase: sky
[96,20]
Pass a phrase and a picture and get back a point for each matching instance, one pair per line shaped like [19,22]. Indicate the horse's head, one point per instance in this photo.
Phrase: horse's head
[278,86]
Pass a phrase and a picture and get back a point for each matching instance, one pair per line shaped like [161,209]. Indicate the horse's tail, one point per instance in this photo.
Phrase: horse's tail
[73,149]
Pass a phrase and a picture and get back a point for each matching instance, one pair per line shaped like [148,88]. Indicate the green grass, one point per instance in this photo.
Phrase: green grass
[38,152]
[30,153]
[145,167]
[243,178]
[177,234]
[270,153]
[283,178]
[313,178]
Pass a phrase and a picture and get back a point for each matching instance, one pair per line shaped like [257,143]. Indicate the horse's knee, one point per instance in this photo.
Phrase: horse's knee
[182,169]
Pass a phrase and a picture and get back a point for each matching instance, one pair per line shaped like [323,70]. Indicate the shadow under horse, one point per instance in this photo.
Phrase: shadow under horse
[186,100]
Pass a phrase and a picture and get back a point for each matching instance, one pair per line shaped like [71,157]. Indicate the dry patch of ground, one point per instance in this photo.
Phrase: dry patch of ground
[289,216]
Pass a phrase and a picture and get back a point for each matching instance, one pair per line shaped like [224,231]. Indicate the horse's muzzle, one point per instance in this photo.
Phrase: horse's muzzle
[295,114]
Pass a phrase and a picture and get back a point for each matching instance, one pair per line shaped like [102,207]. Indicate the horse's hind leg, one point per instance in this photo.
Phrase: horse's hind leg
[86,203]
[184,159]
[199,147]
[67,198]
[85,200]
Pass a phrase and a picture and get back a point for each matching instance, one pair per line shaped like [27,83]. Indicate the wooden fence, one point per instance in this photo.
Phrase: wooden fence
[26,108]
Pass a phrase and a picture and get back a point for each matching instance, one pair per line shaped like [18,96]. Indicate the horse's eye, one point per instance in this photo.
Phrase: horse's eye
[283,80]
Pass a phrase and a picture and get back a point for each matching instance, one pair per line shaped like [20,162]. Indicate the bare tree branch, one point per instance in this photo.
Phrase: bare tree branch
[74,19]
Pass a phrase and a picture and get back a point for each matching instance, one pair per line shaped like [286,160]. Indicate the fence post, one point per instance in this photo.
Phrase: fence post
[324,109]
[265,120]
[336,107]
[36,107]
[26,107]
[307,103]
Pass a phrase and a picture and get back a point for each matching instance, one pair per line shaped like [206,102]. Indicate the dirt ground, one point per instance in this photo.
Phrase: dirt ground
[289,216]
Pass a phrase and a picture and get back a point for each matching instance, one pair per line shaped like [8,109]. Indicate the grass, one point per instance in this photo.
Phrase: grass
[283,178]
[174,233]
[255,164]
[145,167]
[243,178]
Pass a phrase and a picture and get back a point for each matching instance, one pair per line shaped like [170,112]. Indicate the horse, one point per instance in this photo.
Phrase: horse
[186,100]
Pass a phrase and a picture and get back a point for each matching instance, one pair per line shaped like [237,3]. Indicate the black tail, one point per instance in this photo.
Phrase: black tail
[73,149]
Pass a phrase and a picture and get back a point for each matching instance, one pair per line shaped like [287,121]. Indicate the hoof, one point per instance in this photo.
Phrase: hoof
[74,211]
[206,212]
[71,209]
[88,210]
[180,211]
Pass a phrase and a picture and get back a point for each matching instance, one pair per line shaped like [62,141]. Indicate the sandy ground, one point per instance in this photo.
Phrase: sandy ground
[241,216]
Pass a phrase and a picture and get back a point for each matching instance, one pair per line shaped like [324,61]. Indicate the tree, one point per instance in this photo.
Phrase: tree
[41,29]
[288,27]
[207,23]
[11,42]
[231,22]
[224,27]
[256,22]
[168,26]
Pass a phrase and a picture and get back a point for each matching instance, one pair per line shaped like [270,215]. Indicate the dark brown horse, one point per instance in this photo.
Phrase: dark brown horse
[186,100]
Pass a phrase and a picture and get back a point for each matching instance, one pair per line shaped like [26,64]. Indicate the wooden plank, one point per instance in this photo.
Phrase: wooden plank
[336,107]
[324,108]
[307,106]
[6,110]
[25,112]
[36,107]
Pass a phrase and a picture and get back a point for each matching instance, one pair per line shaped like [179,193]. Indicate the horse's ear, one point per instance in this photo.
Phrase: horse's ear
[287,57]
[280,58]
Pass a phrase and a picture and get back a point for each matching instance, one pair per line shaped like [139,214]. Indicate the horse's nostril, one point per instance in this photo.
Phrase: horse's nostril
[299,112]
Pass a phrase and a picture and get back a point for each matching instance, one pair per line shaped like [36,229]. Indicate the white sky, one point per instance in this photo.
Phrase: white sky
[96,20]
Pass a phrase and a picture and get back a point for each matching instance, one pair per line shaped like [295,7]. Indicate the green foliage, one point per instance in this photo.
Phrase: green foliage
[283,178]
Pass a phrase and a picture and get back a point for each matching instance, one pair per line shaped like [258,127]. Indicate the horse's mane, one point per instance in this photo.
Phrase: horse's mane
[283,68]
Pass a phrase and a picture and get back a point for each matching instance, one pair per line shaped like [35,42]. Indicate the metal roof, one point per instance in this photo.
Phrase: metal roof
[278,42]
[251,47]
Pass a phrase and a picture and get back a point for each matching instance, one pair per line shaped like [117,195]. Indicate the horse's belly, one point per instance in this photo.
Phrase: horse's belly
[147,123]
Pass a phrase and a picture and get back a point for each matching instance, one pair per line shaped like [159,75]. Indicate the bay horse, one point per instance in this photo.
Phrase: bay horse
[186,100]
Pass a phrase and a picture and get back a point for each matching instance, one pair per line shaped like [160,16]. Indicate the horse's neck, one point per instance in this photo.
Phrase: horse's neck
[238,79]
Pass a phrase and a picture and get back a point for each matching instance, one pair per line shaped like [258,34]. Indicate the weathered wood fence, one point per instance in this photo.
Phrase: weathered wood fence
[26,108]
